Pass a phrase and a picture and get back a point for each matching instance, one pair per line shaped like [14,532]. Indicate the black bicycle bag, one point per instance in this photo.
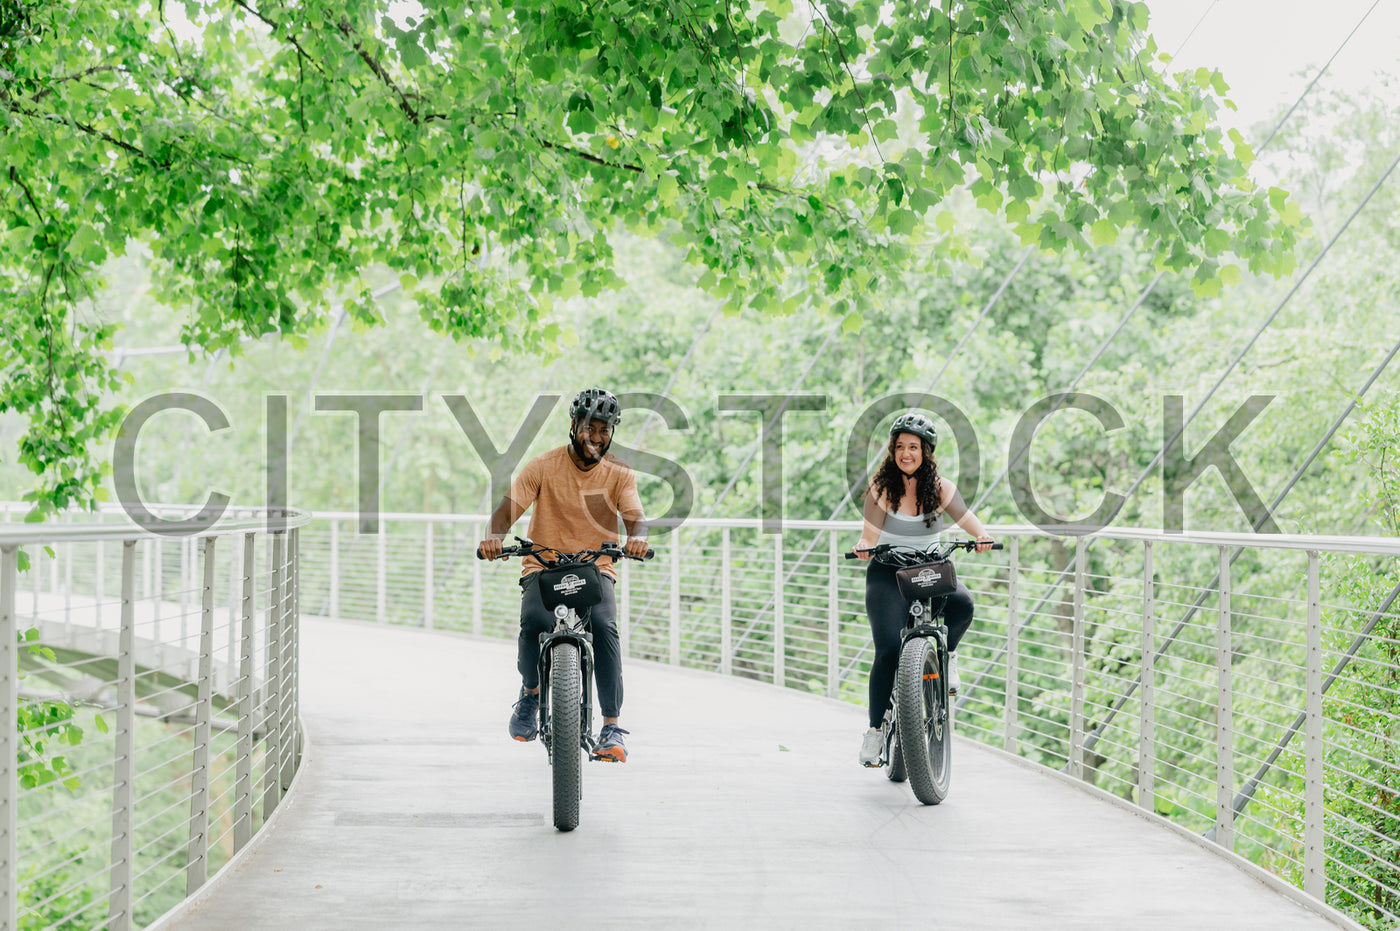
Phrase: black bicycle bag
[577,586]
[930,580]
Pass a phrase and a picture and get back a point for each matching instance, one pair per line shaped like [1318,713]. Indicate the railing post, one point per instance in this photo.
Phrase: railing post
[1314,815]
[1224,723]
[779,625]
[334,609]
[478,531]
[272,756]
[9,734]
[156,591]
[243,767]
[235,595]
[101,587]
[53,572]
[1147,731]
[291,663]
[833,616]
[428,575]
[1013,648]
[676,597]
[68,584]
[197,854]
[1076,695]
[124,755]
[186,582]
[381,610]
[35,579]
[726,607]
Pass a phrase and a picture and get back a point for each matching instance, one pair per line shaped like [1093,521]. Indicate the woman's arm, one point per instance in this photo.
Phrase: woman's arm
[874,517]
[955,508]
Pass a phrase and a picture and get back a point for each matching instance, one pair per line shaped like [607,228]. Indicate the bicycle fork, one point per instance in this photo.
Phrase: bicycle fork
[938,633]
[567,632]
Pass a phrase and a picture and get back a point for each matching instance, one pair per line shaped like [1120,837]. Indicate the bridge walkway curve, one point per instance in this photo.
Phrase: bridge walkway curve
[742,806]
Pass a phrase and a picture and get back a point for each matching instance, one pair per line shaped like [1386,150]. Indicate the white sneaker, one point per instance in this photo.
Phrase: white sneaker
[954,682]
[871,745]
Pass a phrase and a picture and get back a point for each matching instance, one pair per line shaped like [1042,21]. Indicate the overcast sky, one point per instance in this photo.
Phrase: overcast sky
[1262,45]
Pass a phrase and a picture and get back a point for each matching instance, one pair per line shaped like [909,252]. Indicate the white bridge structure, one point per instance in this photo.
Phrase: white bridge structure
[283,721]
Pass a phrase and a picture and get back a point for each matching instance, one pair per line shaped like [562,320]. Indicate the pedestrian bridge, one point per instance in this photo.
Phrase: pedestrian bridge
[302,724]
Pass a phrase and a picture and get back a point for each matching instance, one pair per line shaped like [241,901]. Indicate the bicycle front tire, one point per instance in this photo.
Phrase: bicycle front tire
[565,701]
[925,721]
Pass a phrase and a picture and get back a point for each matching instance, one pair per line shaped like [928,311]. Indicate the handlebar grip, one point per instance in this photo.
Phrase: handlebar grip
[650,553]
[850,555]
[998,546]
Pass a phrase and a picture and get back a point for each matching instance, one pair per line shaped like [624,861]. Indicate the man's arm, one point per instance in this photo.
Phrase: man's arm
[502,519]
[522,494]
[634,520]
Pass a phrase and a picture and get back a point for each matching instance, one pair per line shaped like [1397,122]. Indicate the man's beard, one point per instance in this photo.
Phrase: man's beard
[582,453]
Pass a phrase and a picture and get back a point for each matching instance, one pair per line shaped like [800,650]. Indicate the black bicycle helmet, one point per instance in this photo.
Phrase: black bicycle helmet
[595,404]
[917,424]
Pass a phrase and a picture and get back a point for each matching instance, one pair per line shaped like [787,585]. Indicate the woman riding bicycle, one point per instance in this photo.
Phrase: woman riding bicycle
[905,505]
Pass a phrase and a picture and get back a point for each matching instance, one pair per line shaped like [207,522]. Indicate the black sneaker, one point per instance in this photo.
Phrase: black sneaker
[522,719]
[610,746]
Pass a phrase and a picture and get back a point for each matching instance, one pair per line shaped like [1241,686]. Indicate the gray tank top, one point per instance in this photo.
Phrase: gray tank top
[909,530]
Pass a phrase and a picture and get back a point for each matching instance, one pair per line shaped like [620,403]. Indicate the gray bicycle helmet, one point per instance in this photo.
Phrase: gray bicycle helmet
[917,424]
[595,404]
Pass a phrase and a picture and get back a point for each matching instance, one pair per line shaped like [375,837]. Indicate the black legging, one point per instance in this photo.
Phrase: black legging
[888,611]
[536,619]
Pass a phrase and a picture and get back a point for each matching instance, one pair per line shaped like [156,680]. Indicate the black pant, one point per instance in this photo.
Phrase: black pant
[889,611]
[536,619]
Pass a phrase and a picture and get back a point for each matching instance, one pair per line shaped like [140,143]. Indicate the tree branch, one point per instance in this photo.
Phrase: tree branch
[413,115]
[74,77]
[590,157]
[277,27]
[28,194]
[92,131]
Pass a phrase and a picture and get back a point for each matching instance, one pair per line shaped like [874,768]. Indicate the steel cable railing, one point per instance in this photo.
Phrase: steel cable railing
[1054,659]
[160,653]
[151,723]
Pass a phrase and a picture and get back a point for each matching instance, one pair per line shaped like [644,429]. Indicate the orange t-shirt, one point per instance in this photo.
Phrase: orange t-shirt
[575,510]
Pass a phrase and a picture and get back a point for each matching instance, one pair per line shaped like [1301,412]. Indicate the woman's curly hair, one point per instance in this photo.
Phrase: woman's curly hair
[888,482]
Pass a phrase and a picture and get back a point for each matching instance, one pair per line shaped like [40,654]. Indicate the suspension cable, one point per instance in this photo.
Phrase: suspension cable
[1093,737]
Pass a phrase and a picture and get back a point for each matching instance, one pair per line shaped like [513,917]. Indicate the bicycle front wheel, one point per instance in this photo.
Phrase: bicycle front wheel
[566,744]
[925,721]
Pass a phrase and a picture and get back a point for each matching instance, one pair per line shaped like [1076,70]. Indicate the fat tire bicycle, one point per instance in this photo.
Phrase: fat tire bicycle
[918,725]
[570,585]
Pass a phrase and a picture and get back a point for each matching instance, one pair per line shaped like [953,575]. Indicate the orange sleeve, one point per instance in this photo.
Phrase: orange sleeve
[629,502]
[526,486]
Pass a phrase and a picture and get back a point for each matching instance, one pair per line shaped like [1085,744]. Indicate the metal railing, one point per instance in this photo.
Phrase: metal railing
[150,723]
[1244,686]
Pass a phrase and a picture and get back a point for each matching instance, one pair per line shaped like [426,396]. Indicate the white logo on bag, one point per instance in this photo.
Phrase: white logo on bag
[570,584]
[928,577]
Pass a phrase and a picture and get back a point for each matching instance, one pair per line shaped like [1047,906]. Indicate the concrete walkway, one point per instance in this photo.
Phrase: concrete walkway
[742,806]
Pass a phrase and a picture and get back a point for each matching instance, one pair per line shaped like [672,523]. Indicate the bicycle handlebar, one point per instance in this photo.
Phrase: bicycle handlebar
[530,548]
[937,551]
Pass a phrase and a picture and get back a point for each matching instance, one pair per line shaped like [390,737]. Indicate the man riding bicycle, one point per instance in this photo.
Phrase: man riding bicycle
[579,492]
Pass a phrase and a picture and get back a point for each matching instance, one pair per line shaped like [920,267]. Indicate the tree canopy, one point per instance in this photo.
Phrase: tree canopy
[277,158]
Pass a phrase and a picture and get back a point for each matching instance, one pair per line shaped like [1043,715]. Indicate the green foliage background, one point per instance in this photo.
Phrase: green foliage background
[704,207]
